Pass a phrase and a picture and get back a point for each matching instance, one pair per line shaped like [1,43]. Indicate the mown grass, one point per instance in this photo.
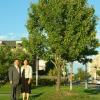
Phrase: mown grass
[49,93]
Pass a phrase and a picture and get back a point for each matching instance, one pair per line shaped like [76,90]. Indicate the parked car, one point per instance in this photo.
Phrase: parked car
[94,81]
[97,81]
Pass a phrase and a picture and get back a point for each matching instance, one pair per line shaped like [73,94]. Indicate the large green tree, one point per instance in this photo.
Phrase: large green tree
[68,27]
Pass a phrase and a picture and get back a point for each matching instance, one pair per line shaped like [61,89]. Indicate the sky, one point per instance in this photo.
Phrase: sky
[13,17]
[14,14]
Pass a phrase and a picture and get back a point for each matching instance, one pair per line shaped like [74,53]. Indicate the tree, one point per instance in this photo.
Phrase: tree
[68,27]
[7,56]
[80,74]
[5,61]
[85,57]
[20,54]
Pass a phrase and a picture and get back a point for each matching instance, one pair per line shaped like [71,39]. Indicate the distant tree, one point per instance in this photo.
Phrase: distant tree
[5,61]
[86,56]
[20,54]
[81,75]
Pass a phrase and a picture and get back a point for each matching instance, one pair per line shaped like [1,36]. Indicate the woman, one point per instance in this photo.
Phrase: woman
[26,75]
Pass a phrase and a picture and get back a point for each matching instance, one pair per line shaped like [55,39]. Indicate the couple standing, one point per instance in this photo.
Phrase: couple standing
[20,79]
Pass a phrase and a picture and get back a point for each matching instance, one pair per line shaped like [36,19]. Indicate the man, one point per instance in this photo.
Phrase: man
[14,78]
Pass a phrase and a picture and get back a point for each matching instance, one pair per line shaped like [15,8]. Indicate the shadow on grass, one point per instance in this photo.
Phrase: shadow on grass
[92,91]
[33,96]
[40,86]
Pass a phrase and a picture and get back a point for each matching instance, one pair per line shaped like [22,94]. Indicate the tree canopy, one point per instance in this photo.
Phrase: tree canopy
[68,28]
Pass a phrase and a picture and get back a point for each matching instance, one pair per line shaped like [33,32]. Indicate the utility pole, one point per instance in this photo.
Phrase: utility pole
[37,68]
[71,75]
[86,80]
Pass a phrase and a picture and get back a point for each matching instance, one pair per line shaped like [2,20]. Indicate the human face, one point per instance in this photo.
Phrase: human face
[25,62]
[16,62]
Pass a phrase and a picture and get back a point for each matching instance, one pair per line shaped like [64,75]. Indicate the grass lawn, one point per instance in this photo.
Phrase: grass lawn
[49,93]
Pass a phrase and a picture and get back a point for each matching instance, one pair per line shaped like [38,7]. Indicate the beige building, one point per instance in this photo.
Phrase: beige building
[94,66]
[12,43]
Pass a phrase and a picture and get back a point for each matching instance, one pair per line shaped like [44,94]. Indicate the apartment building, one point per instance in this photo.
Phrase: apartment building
[12,43]
[94,66]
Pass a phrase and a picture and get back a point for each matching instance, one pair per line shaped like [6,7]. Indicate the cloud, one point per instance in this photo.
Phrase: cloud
[12,36]
[98,35]
[98,31]
[24,34]
[3,37]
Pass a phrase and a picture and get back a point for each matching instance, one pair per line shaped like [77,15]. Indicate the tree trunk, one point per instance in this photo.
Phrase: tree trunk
[58,64]
[86,81]
[71,75]
[58,82]
[37,68]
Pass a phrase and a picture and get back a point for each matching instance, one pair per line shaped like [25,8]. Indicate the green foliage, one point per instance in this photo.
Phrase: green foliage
[62,30]
[37,41]
[20,54]
[98,72]
[52,72]
[5,61]
[61,19]
[7,56]
[81,75]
